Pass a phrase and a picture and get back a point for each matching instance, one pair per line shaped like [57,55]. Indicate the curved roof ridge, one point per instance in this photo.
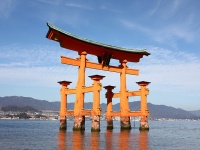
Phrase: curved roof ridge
[97,43]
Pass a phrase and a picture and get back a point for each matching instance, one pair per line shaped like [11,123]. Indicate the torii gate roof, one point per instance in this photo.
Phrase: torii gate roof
[75,43]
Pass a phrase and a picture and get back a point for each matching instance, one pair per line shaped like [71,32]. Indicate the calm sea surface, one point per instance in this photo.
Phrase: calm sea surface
[44,135]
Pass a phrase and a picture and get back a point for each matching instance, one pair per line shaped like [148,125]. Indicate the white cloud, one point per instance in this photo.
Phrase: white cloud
[134,26]
[176,31]
[162,67]
[155,9]
[54,2]
[37,65]
[78,5]
[6,8]
[169,34]
[167,22]
[167,68]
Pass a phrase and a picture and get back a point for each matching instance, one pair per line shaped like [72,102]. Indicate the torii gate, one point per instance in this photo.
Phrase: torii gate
[104,53]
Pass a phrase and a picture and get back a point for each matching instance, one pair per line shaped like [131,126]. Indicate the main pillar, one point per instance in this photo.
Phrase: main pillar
[79,119]
[124,106]
[96,109]
[63,105]
[144,125]
[109,95]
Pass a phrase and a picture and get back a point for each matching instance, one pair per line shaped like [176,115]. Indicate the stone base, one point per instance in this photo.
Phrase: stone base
[79,123]
[109,123]
[125,123]
[63,124]
[95,124]
[144,125]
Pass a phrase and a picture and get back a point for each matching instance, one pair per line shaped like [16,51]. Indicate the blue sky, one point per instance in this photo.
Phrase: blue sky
[169,30]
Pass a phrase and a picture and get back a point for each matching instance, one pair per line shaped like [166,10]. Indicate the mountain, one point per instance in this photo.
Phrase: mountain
[195,112]
[161,111]
[18,109]
[156,111]
[20,101]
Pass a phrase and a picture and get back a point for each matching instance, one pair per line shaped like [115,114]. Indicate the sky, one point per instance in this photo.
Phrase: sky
[30,64]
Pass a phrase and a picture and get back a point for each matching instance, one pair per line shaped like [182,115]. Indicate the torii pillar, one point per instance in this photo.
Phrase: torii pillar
[109,95]
[79,119]
[63,104]
[144,125]
[96,109]
[124,106]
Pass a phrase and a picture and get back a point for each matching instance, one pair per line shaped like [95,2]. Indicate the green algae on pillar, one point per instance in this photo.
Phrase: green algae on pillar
[63,124]
[109,123]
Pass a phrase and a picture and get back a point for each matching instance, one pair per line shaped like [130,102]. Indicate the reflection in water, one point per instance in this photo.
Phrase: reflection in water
[78,140]
[61,140]
[94,140]
[121,140]
[124,138]
[109,139]
[143,140]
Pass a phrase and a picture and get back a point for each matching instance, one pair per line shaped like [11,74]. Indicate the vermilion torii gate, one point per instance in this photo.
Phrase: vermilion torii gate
[104,54]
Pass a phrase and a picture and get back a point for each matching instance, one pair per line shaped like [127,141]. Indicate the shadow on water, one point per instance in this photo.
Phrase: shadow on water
[108,140]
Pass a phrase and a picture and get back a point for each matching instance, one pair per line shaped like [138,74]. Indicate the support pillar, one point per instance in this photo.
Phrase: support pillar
[124,106]
[63,105]
[79,119]
[109,95]
[96,109]
[144,125]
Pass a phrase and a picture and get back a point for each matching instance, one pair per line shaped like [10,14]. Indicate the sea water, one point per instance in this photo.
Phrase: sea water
[45,135]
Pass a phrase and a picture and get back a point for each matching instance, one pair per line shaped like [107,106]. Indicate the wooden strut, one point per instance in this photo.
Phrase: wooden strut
[125,94]
[95,87]
[92,65]
[142,93]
